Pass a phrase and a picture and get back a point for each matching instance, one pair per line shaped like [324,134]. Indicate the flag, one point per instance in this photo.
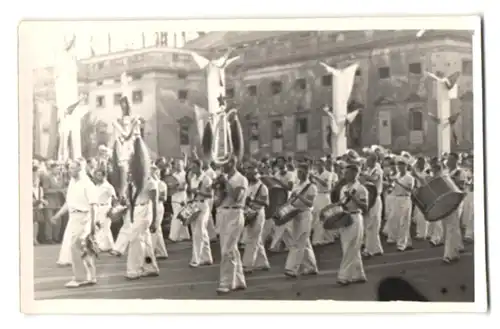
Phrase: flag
[70,109]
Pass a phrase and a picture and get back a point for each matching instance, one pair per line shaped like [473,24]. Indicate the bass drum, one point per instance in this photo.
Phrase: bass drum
[277,198]
[438,199]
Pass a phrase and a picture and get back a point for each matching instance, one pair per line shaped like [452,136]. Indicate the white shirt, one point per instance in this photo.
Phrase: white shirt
[237,180]
[361,194]
[408,181]
[328,178]
[202,182]
[104,193]
[180,196]
[81,194]
[310,193]
[211,173]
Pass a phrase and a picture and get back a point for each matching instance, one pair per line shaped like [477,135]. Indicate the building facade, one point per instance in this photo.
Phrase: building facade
[280,88]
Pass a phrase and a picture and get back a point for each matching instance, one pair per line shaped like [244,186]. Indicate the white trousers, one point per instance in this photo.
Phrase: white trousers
[301,253]
[83,267]
[453,243]
[402,213]
[468,215]
[178,232]
[123,238]
[231,267]
[157,238]
[320,236]
[255,256]
[103,236]
[141,245]
[372,222]
[201,251]
[351,238]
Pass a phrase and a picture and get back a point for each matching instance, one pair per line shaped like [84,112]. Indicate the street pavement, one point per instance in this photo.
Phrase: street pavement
[422,267]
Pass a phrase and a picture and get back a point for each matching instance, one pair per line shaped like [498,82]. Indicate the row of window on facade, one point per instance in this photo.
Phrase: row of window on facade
[137,98]
[326,80]
[415,122]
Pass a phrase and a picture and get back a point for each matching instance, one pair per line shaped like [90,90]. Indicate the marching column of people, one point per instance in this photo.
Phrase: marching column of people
[90,200]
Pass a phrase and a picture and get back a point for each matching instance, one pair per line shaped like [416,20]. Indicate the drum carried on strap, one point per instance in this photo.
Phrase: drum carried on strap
[335,217]
[285,213]
[250,215]
[189,213]
[277,195]
[288,211]
[439,198]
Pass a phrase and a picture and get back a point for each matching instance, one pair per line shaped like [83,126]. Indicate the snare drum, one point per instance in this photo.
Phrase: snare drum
[439,198]
[285,213]
[335,217]
[250,215]
[189,213]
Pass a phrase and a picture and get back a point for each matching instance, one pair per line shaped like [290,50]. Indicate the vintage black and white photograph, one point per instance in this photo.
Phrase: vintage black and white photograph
[281,164]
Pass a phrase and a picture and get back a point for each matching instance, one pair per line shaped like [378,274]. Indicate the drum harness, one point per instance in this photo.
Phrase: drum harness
[295,198]
[253,213]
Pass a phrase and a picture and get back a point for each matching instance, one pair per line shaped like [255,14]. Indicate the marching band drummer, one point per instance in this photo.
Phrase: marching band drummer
[355,197]
[231,224]
[324,181]
[453,243]
[419,172]
[178,232]
[287,180]
[105,194]
[402,198]
[254,256]
[373,219]
[157,237]
[435,229]
[301,253]
[81,204]
[201,189]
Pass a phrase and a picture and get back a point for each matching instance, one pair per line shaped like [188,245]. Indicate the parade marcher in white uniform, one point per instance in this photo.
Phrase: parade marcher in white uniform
[324,181]
[230,217]
[301,254]
[468,209]
[81,204]
[212,230]
[254,256]
[200,187]
[141,259]
[288,180]
[105,194]
[422,226]
[179,232]
[391,226]
[355,198]
[435,229]
[157,237]
[453,243]
[373,219]
[403,188]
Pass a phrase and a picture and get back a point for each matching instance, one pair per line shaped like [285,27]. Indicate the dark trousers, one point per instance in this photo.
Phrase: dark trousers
[51,232]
